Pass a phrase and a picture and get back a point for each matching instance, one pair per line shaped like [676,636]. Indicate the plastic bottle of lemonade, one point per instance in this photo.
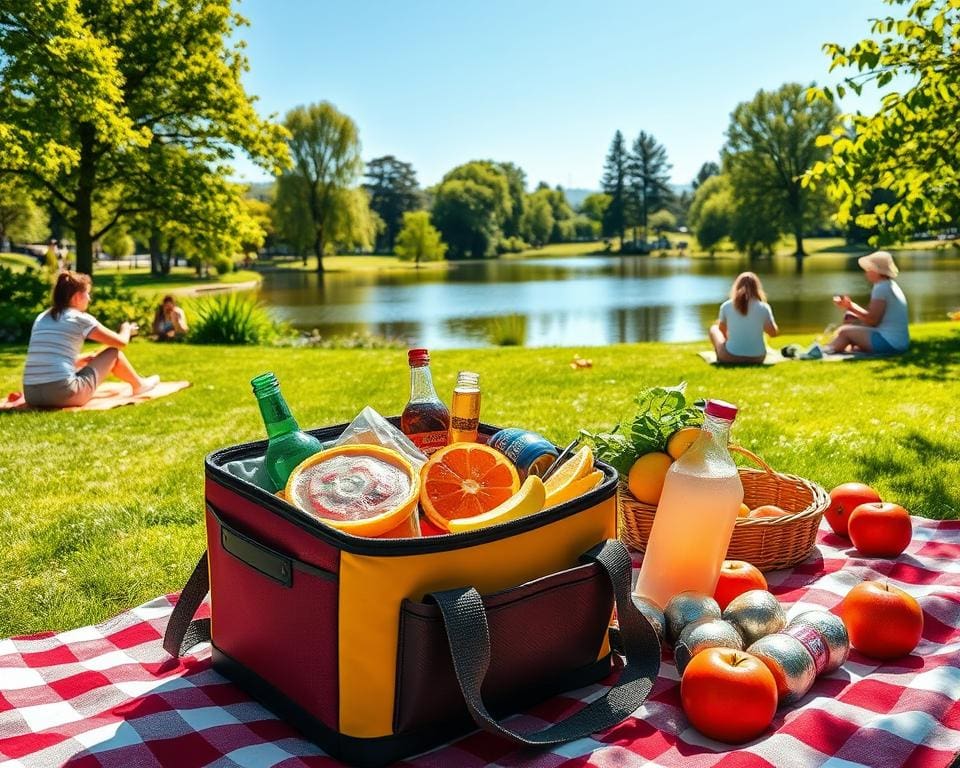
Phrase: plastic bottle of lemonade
[465,408]
[287,444]
[425,419]
[696,514]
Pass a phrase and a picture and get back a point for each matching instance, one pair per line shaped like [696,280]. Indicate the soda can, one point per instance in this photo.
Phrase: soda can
[531,453]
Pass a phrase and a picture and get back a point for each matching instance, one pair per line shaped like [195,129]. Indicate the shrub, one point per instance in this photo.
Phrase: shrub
[223,265]
[232,318]
[508,331]
[23,295]
[113,304]
[511,245]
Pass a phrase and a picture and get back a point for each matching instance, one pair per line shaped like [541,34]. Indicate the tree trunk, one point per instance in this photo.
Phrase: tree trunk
[318,249]
[83,221]
[799,255]
[156,253]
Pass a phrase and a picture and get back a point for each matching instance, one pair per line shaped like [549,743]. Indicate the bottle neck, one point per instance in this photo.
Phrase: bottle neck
[421,384]
[718,428]
[276,414]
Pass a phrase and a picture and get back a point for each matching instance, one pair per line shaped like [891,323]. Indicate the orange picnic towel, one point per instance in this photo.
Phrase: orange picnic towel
[110,394]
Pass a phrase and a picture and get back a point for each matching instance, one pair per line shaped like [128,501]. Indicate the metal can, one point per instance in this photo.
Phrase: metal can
[530,452]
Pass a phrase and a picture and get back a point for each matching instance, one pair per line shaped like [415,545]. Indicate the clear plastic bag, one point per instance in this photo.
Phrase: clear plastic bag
[370,428]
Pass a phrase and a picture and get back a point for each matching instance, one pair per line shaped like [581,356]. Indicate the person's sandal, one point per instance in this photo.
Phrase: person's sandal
[146,385]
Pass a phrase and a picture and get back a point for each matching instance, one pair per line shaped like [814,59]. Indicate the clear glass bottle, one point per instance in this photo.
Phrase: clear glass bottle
[465,408]
[287,444]
[696,514]
[425,419]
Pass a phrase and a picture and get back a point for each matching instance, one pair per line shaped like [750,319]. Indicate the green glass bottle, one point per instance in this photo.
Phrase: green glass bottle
[287,444]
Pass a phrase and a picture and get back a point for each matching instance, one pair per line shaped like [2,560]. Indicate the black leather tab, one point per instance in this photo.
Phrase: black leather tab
[269,563]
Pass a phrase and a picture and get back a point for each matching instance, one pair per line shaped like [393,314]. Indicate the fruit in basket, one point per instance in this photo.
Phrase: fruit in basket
[527,501]
[465,480]
[883,621]
[843,500]
[768,510]
[744,510]
[576,488]
[737,577]
[728,695]
[577,466]
[646,476]
[880,529]
[680,440]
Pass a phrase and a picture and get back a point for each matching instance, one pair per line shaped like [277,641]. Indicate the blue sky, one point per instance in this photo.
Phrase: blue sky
[541,84]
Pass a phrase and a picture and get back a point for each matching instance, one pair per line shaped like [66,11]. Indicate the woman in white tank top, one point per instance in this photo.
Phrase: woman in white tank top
[737,335]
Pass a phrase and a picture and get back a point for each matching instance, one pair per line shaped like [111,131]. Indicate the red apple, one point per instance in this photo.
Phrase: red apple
[728,695]
[843,500]
[737,577]
[883,621]
[880,529]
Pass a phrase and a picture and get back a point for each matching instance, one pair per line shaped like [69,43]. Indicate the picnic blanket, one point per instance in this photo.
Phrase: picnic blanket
[774,356]
[110,394]
[108,696]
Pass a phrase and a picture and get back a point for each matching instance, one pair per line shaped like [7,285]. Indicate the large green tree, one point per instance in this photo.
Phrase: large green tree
[393,189]
[325,150]
[20,216]
[92,93]
[707,170]
[470,206]
[648,179]
[771,144]
[419,240]
[908,147]
[614,183]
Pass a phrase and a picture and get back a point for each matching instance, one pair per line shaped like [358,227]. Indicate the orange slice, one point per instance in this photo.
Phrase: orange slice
[575,489]
[465,480]
[574,468]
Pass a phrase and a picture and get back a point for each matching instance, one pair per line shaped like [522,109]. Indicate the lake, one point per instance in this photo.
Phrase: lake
[587,300]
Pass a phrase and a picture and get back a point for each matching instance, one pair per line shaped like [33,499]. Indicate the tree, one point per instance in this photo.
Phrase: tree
[907,146]
[470,205]
[517,184]
[93,93]
[648,179]
[771,144]
[393,189]
[118,243]
[706,171]
[711,212]
[614,183]
[20,217]
[538,220]
[594,206]
[353,225]
[419,239]
[662,220]
[325,150]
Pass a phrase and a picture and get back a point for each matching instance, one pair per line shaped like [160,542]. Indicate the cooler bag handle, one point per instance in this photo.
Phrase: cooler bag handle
[469,637]
[182,633]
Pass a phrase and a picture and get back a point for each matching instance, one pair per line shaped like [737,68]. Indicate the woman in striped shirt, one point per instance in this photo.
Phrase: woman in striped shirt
[55,375]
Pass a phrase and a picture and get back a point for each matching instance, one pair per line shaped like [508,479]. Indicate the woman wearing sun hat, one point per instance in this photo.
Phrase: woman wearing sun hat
[882,326]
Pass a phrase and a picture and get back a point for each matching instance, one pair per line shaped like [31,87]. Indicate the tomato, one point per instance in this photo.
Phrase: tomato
[737,577]
[843,500]
[880,529]
[768,510]
[883,621]
[728,695]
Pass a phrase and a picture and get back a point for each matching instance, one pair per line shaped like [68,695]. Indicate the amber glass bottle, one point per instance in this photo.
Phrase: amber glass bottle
[425,419]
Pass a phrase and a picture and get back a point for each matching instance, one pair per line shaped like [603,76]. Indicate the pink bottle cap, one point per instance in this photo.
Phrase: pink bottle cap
[418,357]
[721,409]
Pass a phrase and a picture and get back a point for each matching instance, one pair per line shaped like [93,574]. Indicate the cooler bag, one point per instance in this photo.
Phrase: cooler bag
[380,648]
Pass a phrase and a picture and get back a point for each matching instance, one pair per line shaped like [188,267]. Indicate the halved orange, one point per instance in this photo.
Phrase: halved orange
[465,480]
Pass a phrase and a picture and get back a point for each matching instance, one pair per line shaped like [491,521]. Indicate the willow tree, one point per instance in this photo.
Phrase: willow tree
[92,94]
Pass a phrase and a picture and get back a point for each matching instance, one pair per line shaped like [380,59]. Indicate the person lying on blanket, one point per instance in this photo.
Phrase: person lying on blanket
[737,335]
[54,374]
[882,326]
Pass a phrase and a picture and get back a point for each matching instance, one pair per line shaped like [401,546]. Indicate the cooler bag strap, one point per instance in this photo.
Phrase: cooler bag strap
[468,635]
[182,631]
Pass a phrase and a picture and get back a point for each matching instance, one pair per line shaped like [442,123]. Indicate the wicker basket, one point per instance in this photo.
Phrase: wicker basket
[767,542]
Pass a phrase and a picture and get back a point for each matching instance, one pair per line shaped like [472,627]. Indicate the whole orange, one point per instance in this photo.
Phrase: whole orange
[737,577]
[843,500]
[880,529]
[728,695]
[883,621]
[768,510]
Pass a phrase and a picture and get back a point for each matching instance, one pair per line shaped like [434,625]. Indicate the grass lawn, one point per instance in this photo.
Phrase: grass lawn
[180,279]
[102,510]
[359,263]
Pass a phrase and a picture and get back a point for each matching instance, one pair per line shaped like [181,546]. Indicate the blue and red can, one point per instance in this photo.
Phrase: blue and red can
[531,453]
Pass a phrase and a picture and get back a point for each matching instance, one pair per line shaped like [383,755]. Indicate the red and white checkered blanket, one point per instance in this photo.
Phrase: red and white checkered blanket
[108,696]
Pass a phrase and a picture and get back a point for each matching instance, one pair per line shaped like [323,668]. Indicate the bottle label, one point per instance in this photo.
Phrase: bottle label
[464,425]
[429,442]
[814,643]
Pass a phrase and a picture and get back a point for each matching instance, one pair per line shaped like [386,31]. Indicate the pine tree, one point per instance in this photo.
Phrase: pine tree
[614,183]
[648,179]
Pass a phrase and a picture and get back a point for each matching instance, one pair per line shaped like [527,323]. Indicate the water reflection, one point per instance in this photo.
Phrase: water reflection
[588,299]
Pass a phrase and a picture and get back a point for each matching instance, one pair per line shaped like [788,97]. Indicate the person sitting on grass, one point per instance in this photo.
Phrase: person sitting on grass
[881,327]
[737,335]
[55,376]
[169,321]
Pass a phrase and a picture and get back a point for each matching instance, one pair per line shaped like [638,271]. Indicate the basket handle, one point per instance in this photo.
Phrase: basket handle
[753,457]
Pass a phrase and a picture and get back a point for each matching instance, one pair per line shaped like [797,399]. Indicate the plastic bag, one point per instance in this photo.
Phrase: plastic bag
[370,428]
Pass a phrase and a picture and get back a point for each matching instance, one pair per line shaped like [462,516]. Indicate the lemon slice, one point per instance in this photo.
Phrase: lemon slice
[527,501]
[576,488]
[577,466]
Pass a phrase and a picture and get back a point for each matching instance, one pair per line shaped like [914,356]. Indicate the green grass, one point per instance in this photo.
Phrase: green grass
[364,263]
[17,261]
[180,280]
[100,511]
